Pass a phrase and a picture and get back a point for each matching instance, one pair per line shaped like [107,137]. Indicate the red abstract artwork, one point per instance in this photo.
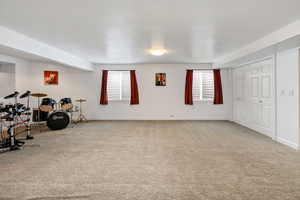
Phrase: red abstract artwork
[51,77]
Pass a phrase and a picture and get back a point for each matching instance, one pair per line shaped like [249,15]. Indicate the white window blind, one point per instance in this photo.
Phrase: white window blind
[118,85]
[203,85]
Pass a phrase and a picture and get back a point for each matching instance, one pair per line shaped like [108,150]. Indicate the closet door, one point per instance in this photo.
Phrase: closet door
[266,96]
[254,96]
[239,95]
[261,97]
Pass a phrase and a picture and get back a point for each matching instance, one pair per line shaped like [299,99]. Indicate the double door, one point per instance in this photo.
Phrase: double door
[254,96]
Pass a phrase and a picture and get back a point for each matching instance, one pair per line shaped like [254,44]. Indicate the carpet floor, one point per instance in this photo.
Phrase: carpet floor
[151,160]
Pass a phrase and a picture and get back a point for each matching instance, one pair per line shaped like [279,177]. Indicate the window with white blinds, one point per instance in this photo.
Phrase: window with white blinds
[203,85]
[118,85]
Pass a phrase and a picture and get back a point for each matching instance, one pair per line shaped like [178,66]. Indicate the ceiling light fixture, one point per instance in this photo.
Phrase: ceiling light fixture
[158,52]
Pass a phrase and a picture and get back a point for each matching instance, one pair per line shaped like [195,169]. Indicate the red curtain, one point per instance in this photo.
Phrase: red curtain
[134,99]
[218,97]
[104,98]
[189,88]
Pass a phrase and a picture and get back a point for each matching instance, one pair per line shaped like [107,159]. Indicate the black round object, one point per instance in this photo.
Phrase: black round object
[26,94]
[58,120]
[65,101]
[48,102]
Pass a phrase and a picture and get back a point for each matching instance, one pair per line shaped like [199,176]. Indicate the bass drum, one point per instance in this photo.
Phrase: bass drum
[58,120]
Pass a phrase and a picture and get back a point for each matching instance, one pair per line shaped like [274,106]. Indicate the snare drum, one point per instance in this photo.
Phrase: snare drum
[66,104]
[47,105]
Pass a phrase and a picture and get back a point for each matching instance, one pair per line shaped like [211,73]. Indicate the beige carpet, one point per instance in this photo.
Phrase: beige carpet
[151,160]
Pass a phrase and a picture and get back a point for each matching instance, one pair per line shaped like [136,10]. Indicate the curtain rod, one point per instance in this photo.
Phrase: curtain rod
[119,70]
[134,69]
[201,69]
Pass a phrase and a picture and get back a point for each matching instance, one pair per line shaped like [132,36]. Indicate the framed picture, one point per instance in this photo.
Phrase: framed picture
[160,79]
[51,77]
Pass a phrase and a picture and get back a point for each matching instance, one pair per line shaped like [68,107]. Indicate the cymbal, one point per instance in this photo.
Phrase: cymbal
[15,94]
[26,94]
[80,100]
[39,95]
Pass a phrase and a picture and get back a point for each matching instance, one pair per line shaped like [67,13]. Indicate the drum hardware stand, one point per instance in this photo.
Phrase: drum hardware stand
[72,121]
[38,123]
[39,111]
[11,130]
[14,144]
[1,127]
[81,116]
[28,127]
[14,117]
[3,139]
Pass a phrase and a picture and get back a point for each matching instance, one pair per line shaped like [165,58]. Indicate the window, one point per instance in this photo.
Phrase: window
[118,85]
[203,85]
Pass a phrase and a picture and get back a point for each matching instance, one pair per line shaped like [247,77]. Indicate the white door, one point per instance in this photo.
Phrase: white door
[254,96]
[239,95]
[267,97]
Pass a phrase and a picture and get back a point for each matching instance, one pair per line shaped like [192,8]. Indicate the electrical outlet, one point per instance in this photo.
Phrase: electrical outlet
[172,116]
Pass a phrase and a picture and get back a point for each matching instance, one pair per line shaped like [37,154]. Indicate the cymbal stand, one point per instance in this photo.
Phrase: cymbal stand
[39,109]
[11,129]
[81,116]
[1,127]
[28,127]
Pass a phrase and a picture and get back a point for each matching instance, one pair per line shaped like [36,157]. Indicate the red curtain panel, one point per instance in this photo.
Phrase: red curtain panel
[189,88]
[134,99]
[103,97]
[218,97]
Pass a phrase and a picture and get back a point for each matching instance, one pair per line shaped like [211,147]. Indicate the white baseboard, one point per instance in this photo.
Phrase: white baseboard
[288,143]
[256,128]
[277,139]
[159,119]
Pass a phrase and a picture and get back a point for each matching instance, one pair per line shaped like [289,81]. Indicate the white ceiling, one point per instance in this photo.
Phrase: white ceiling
[21,54]
[121,31]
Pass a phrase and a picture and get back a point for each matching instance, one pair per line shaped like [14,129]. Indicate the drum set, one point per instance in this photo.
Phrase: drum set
[13,116]
[56,115]
[53,113]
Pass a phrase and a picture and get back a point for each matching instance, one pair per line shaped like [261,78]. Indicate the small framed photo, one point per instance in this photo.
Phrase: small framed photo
[51,77]
[160,79]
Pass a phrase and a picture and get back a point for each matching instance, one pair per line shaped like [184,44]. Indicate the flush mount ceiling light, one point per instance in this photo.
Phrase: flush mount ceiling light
[158,52]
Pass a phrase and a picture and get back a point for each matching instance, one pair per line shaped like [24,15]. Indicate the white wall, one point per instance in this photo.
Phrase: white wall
[288,97]
[156,103]
[18,64]
[7,79]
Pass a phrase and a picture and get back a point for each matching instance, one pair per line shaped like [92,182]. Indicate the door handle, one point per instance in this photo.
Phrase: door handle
[260,101]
